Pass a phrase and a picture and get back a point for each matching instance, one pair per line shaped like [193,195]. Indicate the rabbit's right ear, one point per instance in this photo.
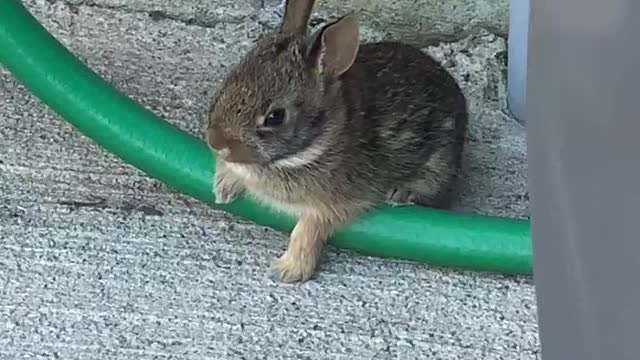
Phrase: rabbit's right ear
[296,16]
[334,48]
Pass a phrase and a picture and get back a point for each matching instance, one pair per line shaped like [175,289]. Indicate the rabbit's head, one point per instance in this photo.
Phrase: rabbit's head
[275,107]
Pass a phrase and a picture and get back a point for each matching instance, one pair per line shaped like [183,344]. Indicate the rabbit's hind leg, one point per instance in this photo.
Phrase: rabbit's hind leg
[434,188]
[420,193]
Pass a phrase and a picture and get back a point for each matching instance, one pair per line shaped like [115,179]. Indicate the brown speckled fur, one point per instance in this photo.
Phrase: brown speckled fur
[392,129]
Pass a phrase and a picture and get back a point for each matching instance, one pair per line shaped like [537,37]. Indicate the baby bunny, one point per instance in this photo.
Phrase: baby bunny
[325,128]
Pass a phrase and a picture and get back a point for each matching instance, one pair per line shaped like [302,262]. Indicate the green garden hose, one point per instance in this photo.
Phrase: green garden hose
[183,161]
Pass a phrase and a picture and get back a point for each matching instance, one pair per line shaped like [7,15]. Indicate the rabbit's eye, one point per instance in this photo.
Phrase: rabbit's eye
[275,117]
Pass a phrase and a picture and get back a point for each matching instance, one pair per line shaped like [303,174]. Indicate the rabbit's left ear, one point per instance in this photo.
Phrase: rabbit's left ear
[296,16]
[334,48]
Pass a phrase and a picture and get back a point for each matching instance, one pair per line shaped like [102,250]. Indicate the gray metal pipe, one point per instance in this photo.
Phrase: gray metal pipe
[583,127]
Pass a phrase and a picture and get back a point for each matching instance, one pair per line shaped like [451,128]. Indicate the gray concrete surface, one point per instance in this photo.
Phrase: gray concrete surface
[98,261]
[412,20]
[407,18]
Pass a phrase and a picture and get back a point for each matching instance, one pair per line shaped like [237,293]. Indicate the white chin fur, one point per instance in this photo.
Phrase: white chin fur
[304,157]
[241,170]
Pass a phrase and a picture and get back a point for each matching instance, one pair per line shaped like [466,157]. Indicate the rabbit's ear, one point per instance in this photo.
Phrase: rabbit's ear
[296,16]
[334,48]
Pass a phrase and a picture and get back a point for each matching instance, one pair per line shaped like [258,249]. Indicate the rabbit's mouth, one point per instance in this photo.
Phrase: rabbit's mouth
[237,155]
[233,151]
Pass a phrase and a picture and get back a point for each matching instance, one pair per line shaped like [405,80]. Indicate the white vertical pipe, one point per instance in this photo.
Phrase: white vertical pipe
[517,54]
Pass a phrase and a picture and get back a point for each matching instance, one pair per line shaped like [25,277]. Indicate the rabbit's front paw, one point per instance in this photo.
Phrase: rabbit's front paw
[226,186]
[295,267]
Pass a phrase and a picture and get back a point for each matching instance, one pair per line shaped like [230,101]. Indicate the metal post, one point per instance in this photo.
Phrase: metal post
[584,162]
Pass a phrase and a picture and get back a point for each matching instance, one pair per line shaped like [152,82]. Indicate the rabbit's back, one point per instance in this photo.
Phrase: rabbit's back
[410,116]
[409,97]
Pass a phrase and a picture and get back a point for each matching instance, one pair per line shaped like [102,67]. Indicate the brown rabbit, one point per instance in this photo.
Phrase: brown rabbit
[325,128]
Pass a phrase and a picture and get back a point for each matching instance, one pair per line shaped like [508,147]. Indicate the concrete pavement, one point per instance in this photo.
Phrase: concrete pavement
[98,261]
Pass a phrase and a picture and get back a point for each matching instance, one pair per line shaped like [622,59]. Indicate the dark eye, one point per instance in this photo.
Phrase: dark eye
[275,117]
